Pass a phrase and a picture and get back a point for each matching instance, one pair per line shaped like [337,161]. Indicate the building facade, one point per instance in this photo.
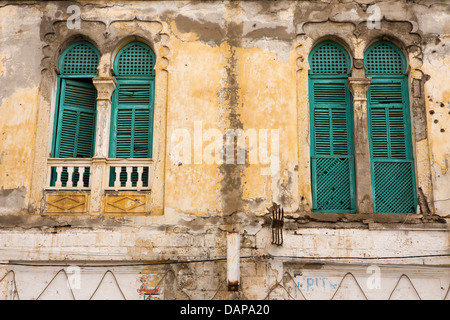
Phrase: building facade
[224,150]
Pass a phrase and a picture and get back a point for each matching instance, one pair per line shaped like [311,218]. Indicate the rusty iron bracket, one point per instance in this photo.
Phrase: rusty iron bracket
[277,223]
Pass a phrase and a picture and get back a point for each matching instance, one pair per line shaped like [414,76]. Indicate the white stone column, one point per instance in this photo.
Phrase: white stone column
[105,87]
[364,201]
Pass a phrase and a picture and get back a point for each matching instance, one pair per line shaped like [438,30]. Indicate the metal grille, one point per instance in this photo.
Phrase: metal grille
[136,60]
[333,183]
[393,187]
[328,58]
[81,59]
[383,58]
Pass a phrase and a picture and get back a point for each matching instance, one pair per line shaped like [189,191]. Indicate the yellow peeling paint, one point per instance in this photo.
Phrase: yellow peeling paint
[183,36]
[194,85]
[17,137]
[268,102]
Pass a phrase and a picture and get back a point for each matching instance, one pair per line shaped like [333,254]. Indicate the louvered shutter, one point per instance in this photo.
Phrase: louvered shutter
[133,109]
[332,154]
[133,101]
[75,124]
[133,118]
[392,164]
[332,146]
[391,154]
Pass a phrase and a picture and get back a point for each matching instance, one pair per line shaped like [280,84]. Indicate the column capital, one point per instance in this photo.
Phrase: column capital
[105,87]
[358,87]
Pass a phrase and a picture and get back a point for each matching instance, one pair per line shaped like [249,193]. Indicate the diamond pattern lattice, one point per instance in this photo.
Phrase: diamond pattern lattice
[393,187]
[333,183]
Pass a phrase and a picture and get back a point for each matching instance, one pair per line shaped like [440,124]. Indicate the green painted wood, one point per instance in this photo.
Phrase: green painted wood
[392,162]
[383,58]
[331,116]
[134,60]
[329,58]
[132,119]
[75,124]
[133,108]
[80,59]
[75,111]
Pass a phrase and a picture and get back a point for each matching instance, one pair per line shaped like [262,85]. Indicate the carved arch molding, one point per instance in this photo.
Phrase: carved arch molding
[107,37]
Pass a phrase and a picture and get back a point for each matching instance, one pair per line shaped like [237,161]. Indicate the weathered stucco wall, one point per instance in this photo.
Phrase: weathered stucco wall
[221,66]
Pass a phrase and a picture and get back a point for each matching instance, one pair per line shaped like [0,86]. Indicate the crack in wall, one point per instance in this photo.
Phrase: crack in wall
[231,184]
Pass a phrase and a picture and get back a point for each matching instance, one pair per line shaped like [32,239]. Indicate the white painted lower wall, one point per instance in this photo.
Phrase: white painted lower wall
[140,263]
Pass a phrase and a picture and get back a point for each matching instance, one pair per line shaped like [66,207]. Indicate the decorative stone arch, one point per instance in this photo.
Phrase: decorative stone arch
[306,42]
[358,36]
[332,167]
[151,33]
[107,36]
[410,46]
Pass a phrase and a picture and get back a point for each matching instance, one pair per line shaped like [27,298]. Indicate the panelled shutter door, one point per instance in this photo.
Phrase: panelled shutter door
[332,160]
[391,154]
[392,163]
[332,153]
[76,124]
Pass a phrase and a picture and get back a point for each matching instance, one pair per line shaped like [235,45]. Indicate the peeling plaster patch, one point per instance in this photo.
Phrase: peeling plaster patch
[347,15]
[278,33]
[208,32]
[438,24]
[232,188]
[19,67]
[12,200]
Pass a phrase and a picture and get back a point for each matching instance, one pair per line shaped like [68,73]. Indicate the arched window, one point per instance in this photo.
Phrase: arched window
[133,101]
[132,105]
[392,163]
[75,117]
[332,144]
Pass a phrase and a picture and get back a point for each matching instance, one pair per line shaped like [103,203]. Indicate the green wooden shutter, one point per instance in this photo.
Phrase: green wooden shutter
[75,124]
[332,147]
[393,180]
[392,163]
[76,120]
[133,116]
[74,129]
[332,151]
[133,125]
[133,102]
